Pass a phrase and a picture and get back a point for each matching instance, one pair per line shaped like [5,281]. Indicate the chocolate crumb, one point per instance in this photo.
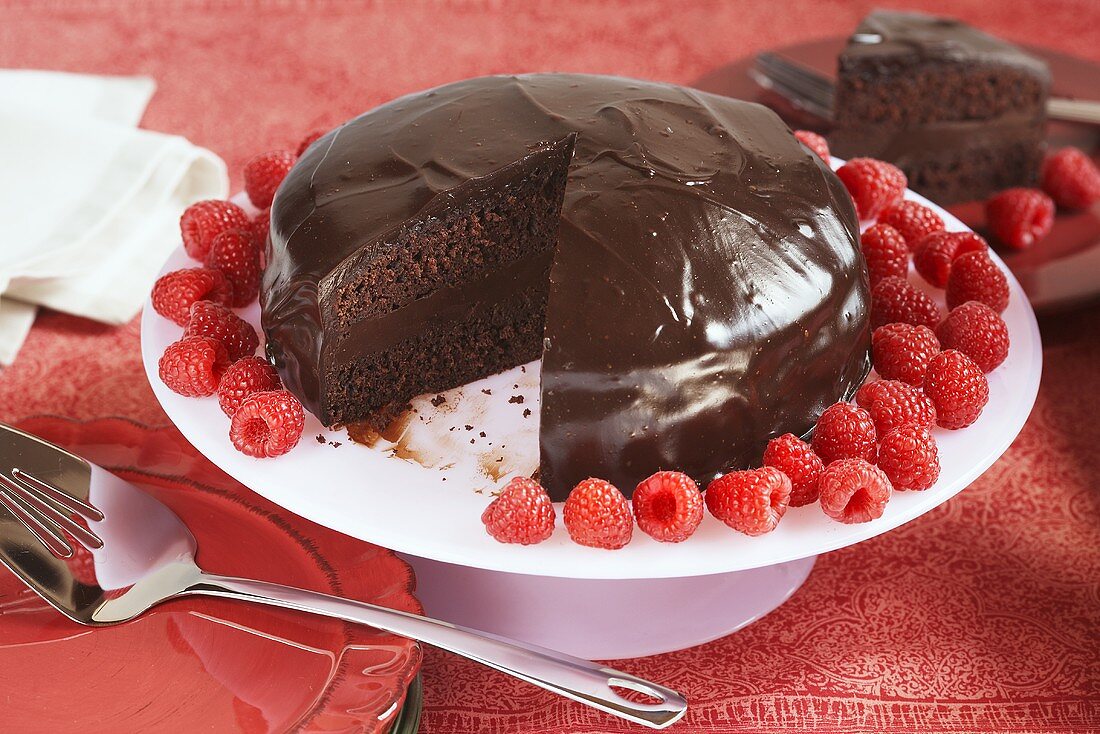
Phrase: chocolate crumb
[487,391]
[451,428]
[334,444]
[320,438]
[482,434]
[469,428]
[526,412]
[471,440]
[438,400]
[517,399]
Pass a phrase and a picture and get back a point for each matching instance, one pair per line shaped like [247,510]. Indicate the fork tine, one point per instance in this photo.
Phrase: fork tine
[803,82]
[47,511]
[61,497]
[53,540]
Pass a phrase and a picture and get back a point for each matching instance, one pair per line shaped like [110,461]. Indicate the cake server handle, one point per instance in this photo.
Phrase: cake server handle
[580,680]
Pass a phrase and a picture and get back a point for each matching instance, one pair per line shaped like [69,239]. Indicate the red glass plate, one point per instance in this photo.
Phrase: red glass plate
[209,664]
[1061,271]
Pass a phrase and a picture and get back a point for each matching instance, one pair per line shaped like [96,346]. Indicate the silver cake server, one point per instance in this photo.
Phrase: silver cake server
[57,509]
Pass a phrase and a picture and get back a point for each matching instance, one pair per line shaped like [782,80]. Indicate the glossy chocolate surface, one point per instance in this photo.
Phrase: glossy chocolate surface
[707,291]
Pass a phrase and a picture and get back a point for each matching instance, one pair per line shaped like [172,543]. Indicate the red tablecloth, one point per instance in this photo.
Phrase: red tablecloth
[983,615]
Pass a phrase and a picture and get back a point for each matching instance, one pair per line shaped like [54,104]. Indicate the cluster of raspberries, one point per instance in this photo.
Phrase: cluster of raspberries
[216,354]
[933,374]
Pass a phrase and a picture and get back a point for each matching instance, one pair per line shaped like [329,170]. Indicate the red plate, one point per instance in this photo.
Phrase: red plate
[209,664]
[1061,271]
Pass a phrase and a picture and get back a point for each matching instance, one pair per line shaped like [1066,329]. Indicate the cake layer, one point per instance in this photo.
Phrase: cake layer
[706,290]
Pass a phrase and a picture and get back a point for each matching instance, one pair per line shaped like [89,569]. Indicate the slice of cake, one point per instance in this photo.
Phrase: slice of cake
[961,112]
[688,272]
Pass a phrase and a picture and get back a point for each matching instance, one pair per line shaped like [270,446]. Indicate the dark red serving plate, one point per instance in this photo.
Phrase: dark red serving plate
[209,665]
[1061,271]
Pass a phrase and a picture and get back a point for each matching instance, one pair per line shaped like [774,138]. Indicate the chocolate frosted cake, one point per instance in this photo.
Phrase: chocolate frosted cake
[961,112]
[688,273]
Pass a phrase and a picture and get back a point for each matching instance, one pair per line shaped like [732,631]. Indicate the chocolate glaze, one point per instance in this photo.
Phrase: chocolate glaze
[707,290]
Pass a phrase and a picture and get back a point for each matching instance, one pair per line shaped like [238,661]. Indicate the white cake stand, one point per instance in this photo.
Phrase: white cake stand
[422,495]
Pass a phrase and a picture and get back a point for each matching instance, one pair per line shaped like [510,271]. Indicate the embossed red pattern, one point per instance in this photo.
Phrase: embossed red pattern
[980,616]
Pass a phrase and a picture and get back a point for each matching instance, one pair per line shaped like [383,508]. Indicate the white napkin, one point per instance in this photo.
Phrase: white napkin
[89,203]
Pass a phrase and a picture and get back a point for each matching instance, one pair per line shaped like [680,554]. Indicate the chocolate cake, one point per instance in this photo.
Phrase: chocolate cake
[961,112]
[688,273]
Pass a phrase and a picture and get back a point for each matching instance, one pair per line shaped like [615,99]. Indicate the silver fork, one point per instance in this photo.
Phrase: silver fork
[813,92]
[101,552]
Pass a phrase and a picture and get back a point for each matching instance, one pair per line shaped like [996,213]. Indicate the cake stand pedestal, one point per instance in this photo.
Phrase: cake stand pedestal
[605,619]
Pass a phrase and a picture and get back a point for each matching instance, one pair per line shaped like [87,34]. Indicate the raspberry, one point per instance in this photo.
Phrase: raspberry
[668,506]
[957,387]
[193,366]
[174,293]
[752,501]
[892,404]
[814,142]
[977,331]
[264,173]
[597,515]
[218,322]
[1020,217]
[522,513]
[308,141]
[914,221]
[896,300]
[1071,178]
[934,254]
[844,431]
[873,184]
[908,457]
[975,277]
[886,253]
[852,490]
[794,457]
[236,254]
[902,351]
[245,377]
[267,424]
[260,228]
[204,221]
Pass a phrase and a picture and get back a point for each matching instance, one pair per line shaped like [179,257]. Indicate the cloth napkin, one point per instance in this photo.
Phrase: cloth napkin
[89,203]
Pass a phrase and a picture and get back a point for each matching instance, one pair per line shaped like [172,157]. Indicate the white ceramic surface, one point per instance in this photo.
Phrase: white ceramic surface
[434,511]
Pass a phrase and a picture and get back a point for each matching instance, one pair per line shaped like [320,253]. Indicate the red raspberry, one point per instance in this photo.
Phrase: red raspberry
[1071,178]
[174,293]
[975,277]
[193,366]
[794,457]
[908,456]
[267,424]
[935,253]
[957,387]
[853,490]
[892,404]
[264,173]
[896,300]
[886,253]
[245,377]
[844,431]
[914,221]
[902,351]
[752,501]
[977,331]
[308,141]
[204,221]
[236,254]
[873,184]
[261,227]
[597,515]
[218,322]
[668,506]
[814,142]
[1020,217]
[522,513]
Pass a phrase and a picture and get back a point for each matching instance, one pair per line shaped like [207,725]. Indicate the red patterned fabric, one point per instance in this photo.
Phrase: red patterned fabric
[984,615]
